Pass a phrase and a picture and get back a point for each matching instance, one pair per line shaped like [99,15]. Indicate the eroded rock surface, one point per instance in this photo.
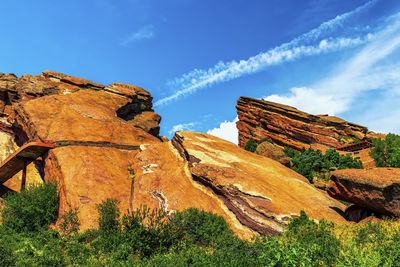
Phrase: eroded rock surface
[271,151]
[96,130]
[290,127]
[377,189]
[15,90]
[254,194]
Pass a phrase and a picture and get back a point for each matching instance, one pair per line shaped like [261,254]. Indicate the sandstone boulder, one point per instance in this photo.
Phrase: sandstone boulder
[377,189]
[271,151]
[253,193]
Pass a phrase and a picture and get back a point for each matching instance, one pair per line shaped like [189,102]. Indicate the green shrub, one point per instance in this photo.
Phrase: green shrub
[33,209]
[201,227]
[108,215]
[251,145]
[149,231]
[7,257]
[386,153]
[317,240]
[290,152]
[70,222]
[311,162]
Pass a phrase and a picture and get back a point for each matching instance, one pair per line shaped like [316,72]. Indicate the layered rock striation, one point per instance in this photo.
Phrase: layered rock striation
[290,127]
[107,146]
[255,194]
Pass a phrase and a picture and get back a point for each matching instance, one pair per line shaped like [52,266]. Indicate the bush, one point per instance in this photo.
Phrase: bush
[149,231]
[70,222]
[7,257]
[31,210]
[317,240]
[201,227]
[251,145]
[310,162]
[108,216]
[386,153]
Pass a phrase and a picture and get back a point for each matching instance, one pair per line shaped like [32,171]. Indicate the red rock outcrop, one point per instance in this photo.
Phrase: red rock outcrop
[253,193]
[13,90]
[287,126]
[96,129]
[377,189]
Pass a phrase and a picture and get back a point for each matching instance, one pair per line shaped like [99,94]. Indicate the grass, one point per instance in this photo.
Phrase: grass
[188,238]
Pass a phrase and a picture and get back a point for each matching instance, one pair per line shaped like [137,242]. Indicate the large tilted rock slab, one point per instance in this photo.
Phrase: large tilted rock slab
[288,126]
[253,193]
[377,189]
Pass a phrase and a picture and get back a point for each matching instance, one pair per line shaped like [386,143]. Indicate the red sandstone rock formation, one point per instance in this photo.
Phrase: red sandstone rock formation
[13,90]
[95,128]
[105,133]
[377,189]
[287,126]
[253,193]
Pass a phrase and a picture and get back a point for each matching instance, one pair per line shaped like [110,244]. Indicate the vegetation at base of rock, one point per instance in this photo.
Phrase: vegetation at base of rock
[31,210]
[195,238]
[70,222]
[311,163]
[386,153]
[252,144]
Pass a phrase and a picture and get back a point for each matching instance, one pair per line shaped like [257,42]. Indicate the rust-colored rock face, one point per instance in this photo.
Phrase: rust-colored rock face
[253,193]
[85,116]
[287,126]
[96,130]
[87,175]
[17,90]
[377,189]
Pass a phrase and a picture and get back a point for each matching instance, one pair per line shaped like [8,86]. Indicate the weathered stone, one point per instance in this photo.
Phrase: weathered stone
[287,126]
[87,175]
[95,130]
[85,116]
[148,121]
[356,213]
[70,79]
[377,189]
[271,151]
[254,194]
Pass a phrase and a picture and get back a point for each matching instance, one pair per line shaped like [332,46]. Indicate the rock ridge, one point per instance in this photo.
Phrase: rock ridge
[288,126]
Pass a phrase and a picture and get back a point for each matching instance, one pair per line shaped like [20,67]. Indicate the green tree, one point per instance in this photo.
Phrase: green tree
[251,145]
[386,153]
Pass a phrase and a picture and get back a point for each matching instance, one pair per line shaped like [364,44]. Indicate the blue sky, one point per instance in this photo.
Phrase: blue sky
[198,57]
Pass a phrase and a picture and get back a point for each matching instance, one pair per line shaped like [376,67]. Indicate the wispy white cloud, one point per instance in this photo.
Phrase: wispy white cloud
[146,32]
[375,68]
[182,127]
[227,130]
[301,46]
